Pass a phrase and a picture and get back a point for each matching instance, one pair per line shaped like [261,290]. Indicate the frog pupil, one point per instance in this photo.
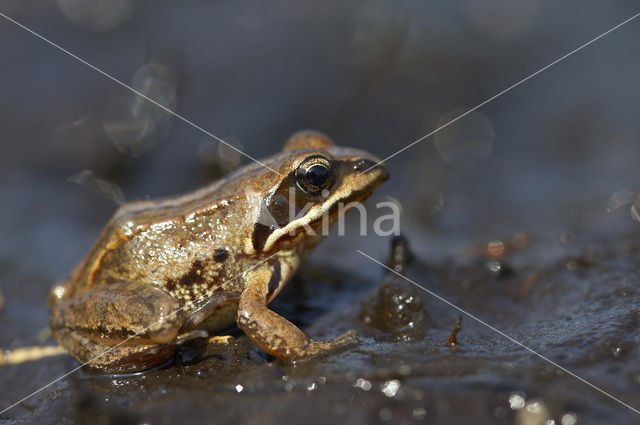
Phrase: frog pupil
[317,175]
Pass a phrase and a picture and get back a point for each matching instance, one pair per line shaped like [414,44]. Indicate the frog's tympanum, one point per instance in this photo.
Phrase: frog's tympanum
[166,271]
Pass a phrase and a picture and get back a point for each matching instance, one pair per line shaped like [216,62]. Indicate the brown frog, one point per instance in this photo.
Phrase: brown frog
[169,270]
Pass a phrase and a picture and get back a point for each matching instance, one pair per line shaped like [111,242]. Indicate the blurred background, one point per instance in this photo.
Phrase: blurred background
[375,75]
[554,158]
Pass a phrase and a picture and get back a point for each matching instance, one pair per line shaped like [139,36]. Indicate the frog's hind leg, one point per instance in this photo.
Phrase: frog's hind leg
[120,327]
[116,359]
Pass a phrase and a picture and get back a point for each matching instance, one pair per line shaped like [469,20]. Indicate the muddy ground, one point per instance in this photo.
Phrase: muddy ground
[580,309]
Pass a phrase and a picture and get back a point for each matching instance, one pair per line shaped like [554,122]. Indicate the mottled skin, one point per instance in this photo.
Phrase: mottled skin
[165,271]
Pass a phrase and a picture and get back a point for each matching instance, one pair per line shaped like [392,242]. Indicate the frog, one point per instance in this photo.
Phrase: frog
[169,270]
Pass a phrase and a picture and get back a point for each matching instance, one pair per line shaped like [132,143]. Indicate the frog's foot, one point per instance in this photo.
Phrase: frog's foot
[347,340]
[272,332]
[222,339]
[29,354]
[190,336]
[324,348]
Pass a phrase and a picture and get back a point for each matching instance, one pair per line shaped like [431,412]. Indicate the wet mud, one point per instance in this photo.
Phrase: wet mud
[580,310]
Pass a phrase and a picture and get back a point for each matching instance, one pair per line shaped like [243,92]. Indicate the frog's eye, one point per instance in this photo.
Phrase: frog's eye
[314,175]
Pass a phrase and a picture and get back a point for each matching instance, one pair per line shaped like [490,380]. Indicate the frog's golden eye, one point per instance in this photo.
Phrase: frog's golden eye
[314,175]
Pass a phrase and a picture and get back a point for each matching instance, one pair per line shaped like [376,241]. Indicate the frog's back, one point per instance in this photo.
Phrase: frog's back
[208,199]
[187,244]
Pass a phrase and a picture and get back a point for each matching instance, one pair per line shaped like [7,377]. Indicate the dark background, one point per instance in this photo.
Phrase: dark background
[556,157]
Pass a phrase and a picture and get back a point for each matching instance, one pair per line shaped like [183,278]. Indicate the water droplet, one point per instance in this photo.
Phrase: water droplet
[105,188]
[390,388]
[569,419]
[385,414]
[535,406]
[494,266]
[134,124]
[572,265]
[467,141]
[619,199]
[533,413]
[516,401]
[213,153]
[363,384]
[419,413]
[495,248]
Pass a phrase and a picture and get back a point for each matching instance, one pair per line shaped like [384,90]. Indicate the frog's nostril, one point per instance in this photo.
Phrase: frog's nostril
[366,165]
[359,165]
[363,165]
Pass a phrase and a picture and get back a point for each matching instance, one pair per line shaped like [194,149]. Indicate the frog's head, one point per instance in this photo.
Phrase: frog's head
[316,181]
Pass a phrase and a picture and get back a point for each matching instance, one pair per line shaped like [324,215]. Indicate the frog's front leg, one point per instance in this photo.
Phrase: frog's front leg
[120,327]
[272,332]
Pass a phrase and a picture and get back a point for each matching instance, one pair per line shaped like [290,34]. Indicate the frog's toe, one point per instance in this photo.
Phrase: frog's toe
[322,348]
[190,336]
[346,340]
[222,339]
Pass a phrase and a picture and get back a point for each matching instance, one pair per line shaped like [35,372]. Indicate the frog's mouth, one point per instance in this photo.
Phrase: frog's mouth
[358,184]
